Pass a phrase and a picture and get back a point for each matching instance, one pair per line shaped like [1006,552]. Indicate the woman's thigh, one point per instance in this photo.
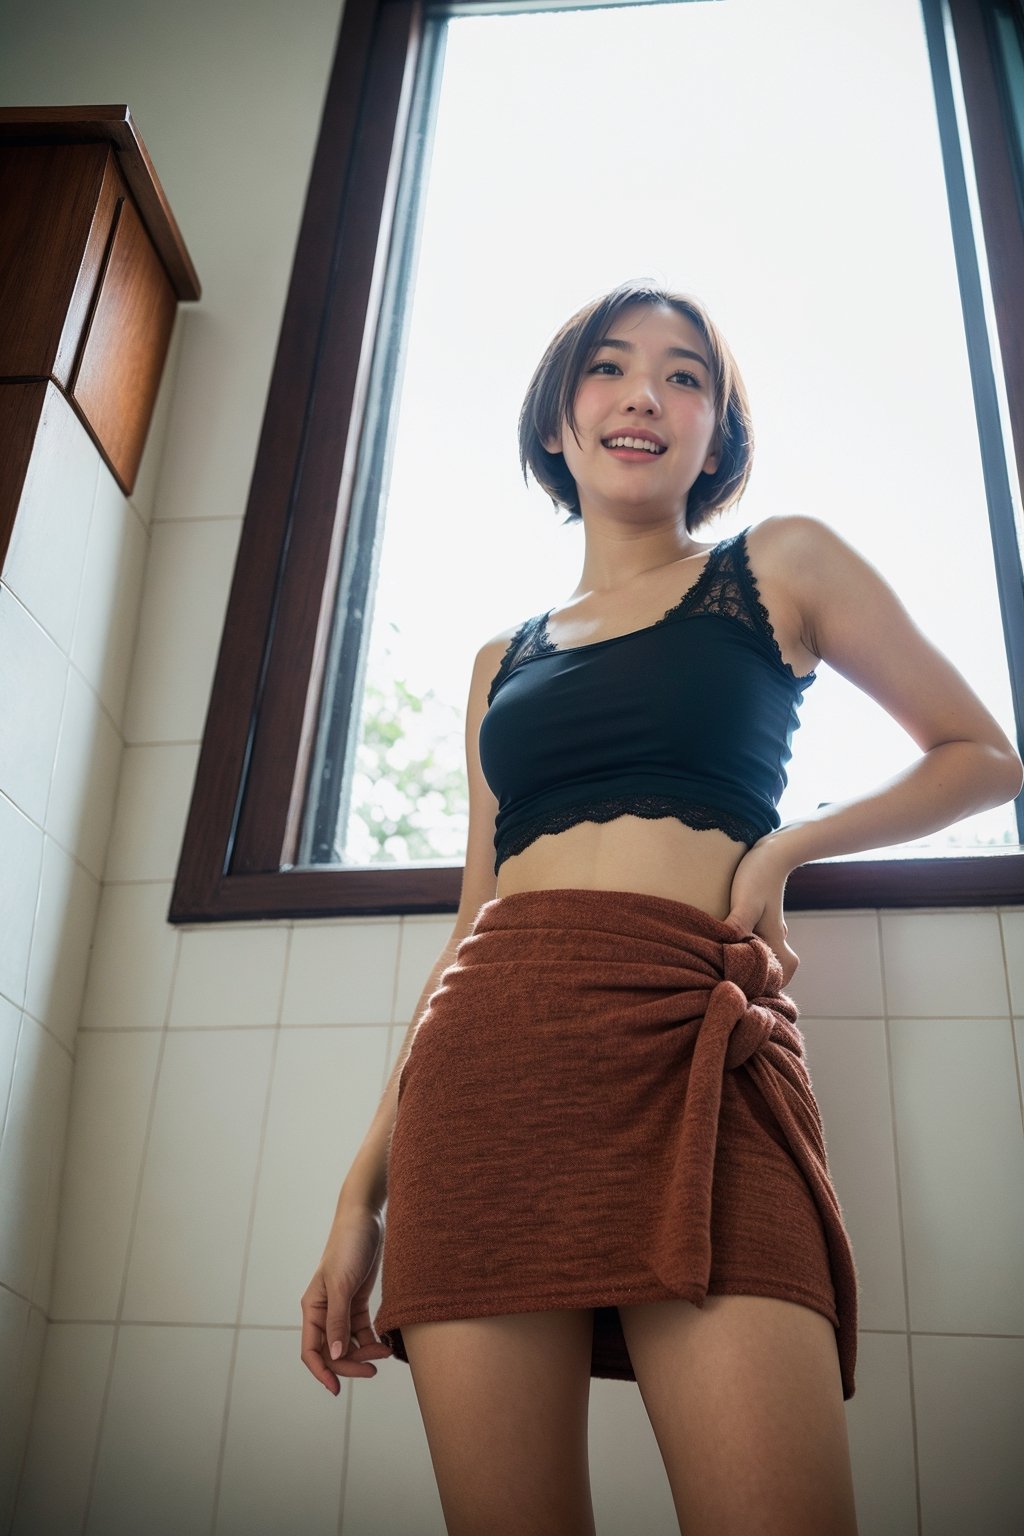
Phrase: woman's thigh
[746,1403]
[504,1403]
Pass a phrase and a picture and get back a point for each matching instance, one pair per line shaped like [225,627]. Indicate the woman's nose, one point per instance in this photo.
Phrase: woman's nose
[642,396]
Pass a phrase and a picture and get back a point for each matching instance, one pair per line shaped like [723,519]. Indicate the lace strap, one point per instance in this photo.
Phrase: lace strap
[727,587]
[528,640]
[741,561]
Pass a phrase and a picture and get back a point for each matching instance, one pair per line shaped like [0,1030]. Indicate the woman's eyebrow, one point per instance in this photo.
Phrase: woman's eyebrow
[627,346]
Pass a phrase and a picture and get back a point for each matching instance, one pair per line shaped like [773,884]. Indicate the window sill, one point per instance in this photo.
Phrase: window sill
[992,878]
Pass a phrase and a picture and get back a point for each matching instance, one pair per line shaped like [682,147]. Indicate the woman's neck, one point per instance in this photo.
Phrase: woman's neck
[617,552]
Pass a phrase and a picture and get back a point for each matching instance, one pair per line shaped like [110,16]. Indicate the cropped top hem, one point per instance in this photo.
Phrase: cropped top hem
[702,818]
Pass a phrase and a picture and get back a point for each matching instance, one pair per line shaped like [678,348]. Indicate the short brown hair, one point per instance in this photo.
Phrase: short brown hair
[552,393]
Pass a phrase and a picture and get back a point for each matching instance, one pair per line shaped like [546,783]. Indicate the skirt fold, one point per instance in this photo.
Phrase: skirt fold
[607,1102]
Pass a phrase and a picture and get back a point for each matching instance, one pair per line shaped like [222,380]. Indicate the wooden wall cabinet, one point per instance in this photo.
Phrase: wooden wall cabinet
[92,268]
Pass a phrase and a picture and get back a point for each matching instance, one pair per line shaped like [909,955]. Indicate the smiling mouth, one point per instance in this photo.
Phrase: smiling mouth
[635,444]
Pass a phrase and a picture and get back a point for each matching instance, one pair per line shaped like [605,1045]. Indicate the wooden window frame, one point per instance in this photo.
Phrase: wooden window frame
[243,823]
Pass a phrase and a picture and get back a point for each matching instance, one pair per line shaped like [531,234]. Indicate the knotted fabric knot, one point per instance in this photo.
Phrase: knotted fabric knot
[750,971]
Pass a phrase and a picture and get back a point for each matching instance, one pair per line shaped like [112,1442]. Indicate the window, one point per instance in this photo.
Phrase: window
[253,834]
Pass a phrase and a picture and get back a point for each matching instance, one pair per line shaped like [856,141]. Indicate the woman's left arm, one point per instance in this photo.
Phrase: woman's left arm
[853,620]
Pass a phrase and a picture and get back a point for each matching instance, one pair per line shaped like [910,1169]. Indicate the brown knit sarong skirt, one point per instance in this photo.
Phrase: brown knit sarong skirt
[606,1102]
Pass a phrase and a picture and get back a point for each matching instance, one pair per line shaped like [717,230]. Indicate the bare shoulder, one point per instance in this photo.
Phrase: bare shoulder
[487,662]
[787,543]
[498,644]
[812,568]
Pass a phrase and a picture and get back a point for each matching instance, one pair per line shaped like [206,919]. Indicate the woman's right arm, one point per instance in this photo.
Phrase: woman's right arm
[337,1336]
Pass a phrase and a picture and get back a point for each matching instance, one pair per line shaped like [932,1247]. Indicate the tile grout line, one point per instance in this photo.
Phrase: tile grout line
[247,1248]
[1013,1032]
[85,555]
[32,936]
[55,1175]
[346,1441]
[119,1311]
[10,1087]
[61,723]
[22,1356]
[886,1024]
[101,1418]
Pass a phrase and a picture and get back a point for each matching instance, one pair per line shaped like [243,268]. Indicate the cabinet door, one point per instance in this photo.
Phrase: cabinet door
[58,205]
[120,364]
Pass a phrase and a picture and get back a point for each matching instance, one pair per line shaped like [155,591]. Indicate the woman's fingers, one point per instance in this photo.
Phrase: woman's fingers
[337,1336]
[355,1362]
[312,1347]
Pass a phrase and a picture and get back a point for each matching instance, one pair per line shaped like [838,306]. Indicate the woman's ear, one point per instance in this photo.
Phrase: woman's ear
[553,444]
[711,462]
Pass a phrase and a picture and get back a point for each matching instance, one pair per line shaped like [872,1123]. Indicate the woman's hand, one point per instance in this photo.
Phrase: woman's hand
[758,885]
[337,1337]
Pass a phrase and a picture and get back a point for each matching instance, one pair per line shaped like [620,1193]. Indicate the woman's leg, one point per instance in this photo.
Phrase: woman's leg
[504,1403]
[746,1403]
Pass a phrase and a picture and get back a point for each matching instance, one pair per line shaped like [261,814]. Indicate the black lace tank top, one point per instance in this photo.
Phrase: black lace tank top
[691,717]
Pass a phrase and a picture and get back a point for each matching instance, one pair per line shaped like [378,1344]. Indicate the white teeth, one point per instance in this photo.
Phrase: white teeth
[634,442]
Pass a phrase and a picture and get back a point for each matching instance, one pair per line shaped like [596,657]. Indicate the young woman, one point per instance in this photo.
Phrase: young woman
[600,1148]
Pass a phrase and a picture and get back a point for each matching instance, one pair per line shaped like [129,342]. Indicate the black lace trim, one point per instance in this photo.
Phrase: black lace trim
[725,588]
[741,561]
[703,818]
[529,640]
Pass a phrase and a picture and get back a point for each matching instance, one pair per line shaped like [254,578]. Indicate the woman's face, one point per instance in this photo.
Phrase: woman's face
[649,379]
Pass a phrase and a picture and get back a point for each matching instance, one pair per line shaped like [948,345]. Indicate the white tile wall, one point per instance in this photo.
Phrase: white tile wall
[14,1315]
[265,1487]
[968,1394]
[10,1026]
[879,1421]
[68,1408]
[65,918]
[153,797]
[840,969]
[108,608]
[22,844]
[160,1439]
[81,804]
[342,974]
[31,716]
[22,1336]
[187,582]
[59,767]
[229,976]
[384,1414]
[1013,945]
[422,940]
[944,964]
[46,554]
[849,1068]
[328,1081]
[31,1158]
[133,959]
[961,1159]
[199,1176]
[115,1073]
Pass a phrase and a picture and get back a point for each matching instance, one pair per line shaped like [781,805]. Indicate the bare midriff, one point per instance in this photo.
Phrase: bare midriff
[661,857]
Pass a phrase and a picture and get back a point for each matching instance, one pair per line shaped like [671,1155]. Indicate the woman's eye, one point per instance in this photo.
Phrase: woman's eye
[688,378]
[600,367]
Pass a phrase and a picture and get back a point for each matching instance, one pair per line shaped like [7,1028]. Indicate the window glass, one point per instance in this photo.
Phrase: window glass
[782,163]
